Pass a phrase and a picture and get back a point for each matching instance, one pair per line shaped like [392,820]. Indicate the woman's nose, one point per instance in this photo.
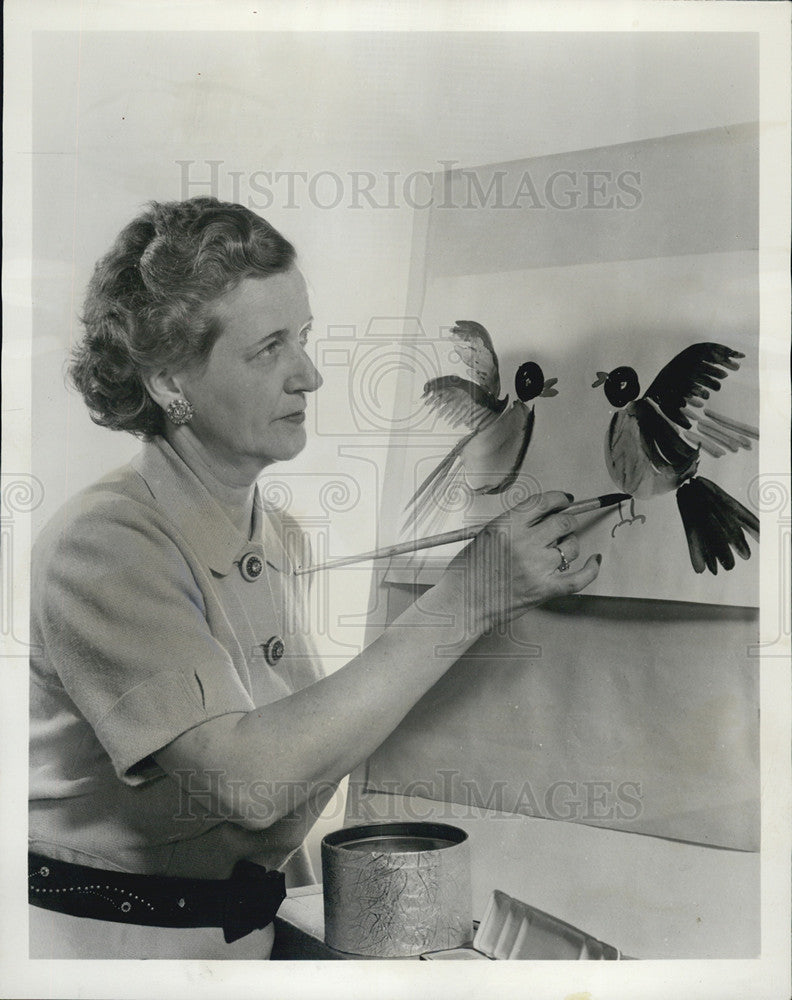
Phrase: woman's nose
[305,377]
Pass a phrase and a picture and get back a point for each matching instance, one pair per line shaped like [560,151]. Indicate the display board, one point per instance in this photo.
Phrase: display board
[633,706]
[581,267]
[632,715]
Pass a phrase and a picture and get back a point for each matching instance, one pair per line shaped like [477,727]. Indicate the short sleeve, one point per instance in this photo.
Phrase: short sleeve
[121,621]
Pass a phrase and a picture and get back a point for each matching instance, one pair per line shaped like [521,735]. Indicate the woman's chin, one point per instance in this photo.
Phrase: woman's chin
[285,450]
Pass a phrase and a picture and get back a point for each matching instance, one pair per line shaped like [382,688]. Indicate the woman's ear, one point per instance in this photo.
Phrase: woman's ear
[163,387]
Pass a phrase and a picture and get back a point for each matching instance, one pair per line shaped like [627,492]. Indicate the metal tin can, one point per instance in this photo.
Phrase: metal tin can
[397,889]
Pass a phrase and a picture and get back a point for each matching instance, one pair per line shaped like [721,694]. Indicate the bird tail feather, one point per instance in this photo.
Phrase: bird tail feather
[714,523]
[429,495]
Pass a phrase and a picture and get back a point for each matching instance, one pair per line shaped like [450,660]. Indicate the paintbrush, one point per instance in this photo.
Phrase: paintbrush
[447,537]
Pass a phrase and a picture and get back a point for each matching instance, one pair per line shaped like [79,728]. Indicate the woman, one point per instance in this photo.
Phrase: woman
[183,737]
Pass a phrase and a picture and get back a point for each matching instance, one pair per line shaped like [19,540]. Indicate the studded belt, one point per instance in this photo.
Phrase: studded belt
[246,901]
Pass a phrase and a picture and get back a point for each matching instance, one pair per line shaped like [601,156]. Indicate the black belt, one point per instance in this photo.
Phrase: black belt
[245,902]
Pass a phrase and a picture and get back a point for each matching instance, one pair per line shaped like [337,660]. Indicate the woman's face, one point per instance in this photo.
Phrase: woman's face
[250,397]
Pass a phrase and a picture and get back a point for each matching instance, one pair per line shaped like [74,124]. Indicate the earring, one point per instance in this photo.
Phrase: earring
[180,411]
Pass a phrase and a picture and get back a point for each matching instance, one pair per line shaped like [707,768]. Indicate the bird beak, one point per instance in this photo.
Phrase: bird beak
[601,377]
[548,389]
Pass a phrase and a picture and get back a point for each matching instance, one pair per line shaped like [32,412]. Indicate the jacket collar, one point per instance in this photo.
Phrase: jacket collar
[199,518]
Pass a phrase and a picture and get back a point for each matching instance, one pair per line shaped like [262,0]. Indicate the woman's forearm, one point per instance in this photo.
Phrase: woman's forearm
[278,756]
[269,761]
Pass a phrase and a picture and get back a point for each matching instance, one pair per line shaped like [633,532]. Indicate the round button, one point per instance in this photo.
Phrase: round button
[251,567]
[273,649]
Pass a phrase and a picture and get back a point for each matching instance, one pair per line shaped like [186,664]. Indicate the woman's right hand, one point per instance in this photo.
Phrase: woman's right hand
[513,564]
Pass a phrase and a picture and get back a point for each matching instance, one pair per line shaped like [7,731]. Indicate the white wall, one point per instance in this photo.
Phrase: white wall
[115,112]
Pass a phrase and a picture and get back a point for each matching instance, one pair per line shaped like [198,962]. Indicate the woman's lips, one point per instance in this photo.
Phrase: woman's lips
[297,417]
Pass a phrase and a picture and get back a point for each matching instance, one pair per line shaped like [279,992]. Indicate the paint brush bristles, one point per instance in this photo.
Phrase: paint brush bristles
[449,537]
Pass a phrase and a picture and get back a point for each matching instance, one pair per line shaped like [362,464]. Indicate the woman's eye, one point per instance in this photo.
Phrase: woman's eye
[272,347]
[268,350]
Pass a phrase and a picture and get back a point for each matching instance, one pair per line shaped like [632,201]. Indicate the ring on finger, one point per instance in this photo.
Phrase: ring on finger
[563,565]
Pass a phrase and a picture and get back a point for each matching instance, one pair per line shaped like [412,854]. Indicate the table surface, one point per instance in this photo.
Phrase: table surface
[649,897]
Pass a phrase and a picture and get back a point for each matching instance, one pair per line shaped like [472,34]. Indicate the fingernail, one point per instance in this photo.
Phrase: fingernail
[569,497]
[598,557]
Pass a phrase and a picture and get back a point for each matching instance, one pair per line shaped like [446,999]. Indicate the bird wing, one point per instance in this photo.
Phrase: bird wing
[474,346]
[689,377]
[461,401]
[662,442]
[645,453]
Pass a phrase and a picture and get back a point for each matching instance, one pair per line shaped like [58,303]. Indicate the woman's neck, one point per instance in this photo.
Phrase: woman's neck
[234,494]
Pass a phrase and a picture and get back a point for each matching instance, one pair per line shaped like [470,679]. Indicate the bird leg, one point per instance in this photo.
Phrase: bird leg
[627,520]
[636,517]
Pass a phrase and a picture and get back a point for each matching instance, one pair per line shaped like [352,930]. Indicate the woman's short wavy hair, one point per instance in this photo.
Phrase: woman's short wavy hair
[148,302]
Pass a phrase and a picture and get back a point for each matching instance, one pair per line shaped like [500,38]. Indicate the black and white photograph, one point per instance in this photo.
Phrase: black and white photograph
[396,541]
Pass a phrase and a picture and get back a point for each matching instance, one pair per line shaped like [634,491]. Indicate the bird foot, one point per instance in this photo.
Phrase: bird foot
[627,520]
